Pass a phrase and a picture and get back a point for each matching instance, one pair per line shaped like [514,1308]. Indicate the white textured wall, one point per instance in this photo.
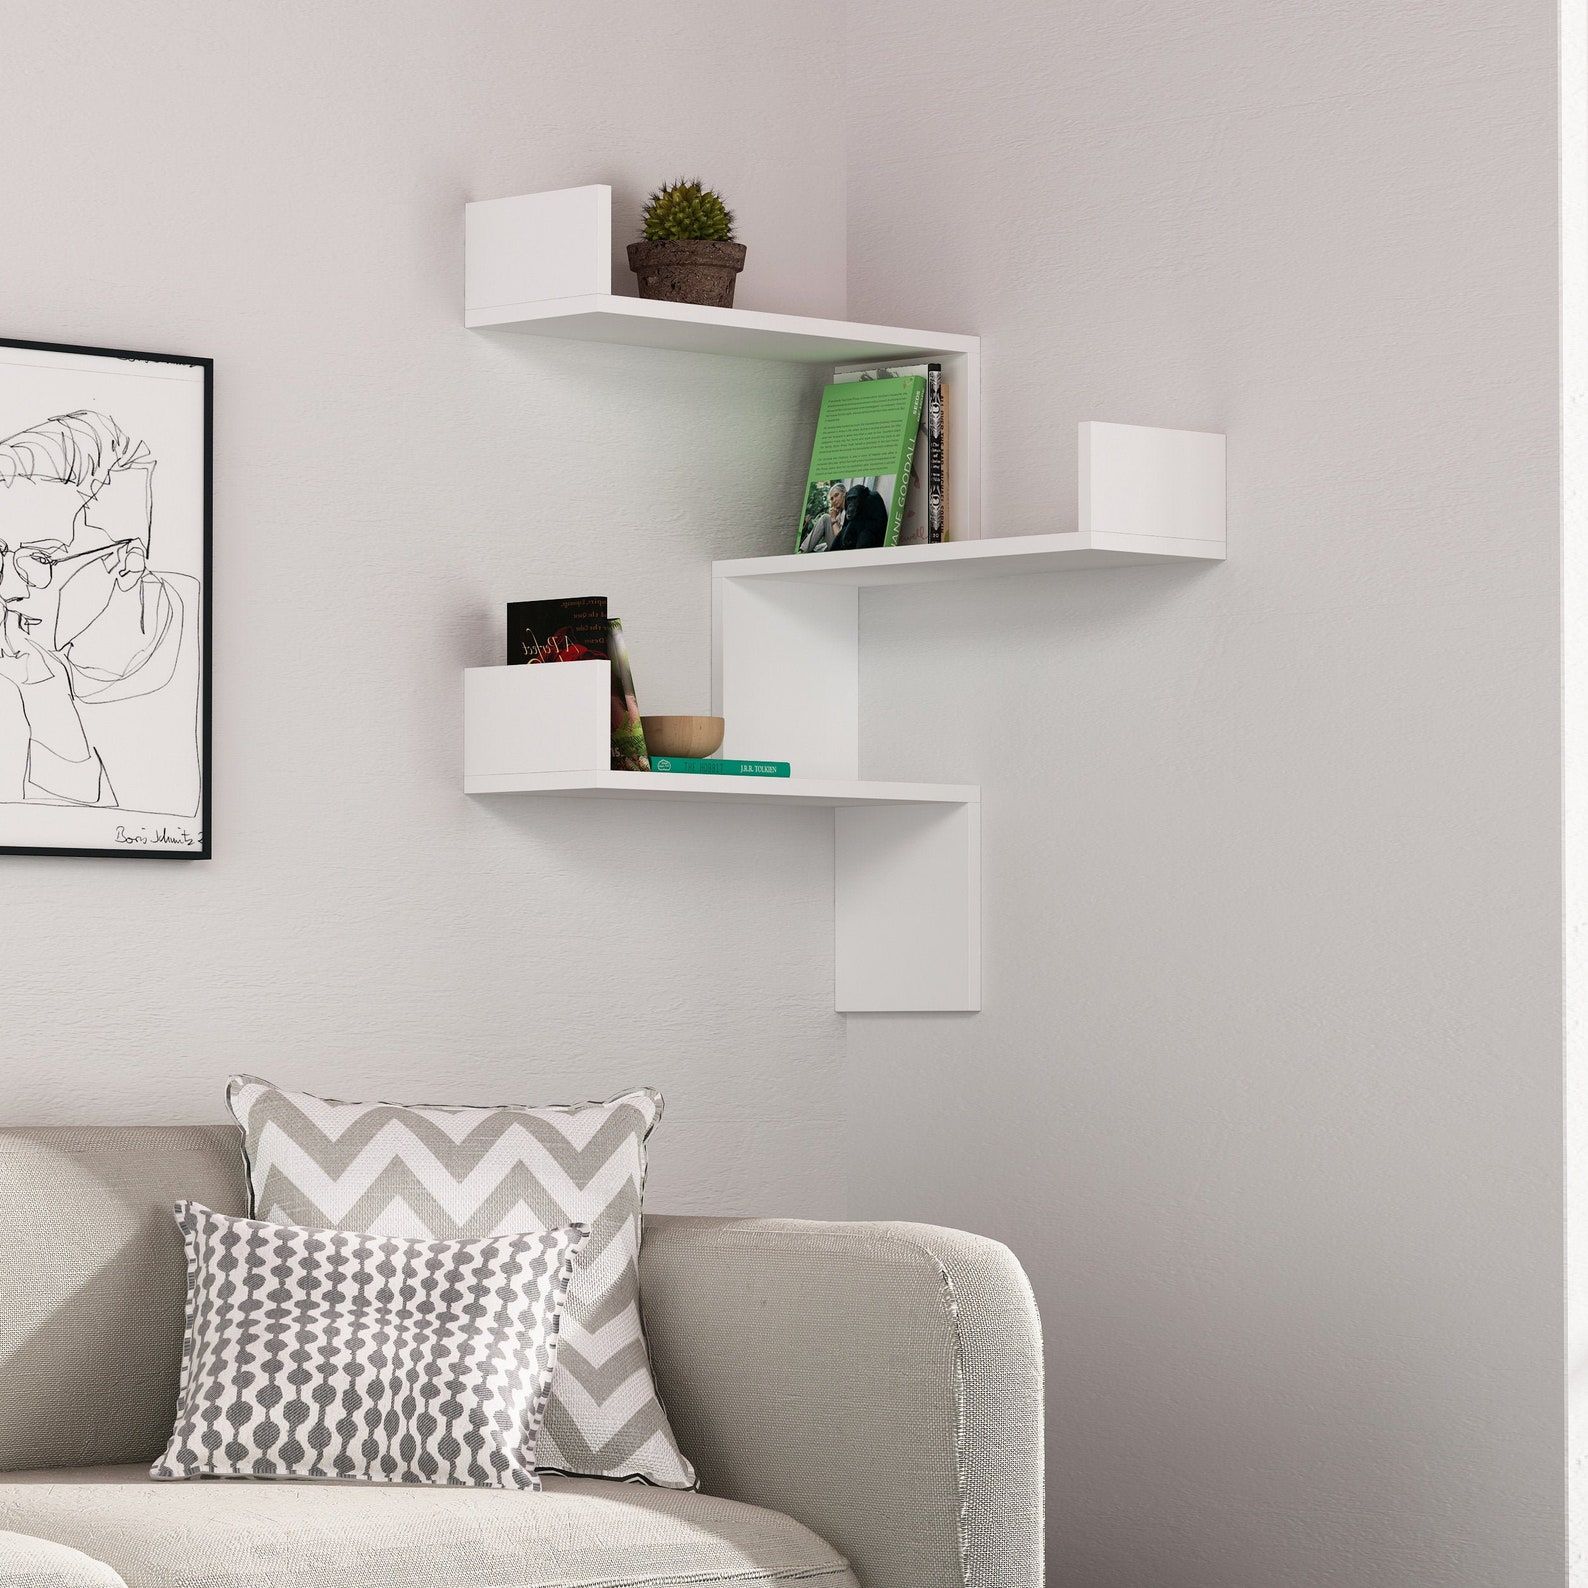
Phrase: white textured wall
[1267,1089]
[281,186]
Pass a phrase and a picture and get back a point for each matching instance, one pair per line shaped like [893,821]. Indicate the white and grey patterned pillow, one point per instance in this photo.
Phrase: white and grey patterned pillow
[328,1354]
[452,1172]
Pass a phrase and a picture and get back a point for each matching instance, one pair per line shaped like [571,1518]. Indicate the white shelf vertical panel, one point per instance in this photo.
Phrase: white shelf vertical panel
[786,675]
[962,444]
[907,909]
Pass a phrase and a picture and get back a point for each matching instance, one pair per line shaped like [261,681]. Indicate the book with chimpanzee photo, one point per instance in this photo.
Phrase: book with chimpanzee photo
[859,477]
[570,629]
[913,530]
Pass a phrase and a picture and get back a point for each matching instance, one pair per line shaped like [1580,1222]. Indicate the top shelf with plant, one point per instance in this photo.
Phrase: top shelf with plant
[541,264]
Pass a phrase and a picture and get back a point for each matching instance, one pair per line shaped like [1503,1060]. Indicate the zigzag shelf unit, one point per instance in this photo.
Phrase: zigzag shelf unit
[785,629]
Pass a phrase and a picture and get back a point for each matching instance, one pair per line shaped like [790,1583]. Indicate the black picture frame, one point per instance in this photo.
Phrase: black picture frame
[136,847]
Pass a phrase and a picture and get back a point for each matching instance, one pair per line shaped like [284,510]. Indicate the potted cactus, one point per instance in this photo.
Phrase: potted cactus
[688,254]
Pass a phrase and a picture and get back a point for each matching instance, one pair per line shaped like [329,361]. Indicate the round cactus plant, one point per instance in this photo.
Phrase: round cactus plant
[686,210]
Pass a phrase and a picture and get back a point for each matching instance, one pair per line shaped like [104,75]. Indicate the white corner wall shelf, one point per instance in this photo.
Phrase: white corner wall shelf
[785,629]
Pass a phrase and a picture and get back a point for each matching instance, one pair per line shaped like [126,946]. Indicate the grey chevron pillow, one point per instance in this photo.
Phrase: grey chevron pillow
[451,1173]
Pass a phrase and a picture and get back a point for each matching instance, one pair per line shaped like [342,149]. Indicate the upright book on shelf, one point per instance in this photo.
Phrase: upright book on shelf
[628,732]
[565,629]
[913,528]
[936,424]
[577,629]
[860,464]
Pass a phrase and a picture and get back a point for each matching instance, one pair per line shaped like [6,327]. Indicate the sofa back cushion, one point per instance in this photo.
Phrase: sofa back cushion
[93,1284]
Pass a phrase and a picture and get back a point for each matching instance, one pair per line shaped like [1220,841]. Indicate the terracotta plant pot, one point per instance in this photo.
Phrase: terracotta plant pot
[687,736]
[688,271]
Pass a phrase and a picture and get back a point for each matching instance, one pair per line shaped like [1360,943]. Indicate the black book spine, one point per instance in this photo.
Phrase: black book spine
[935,481]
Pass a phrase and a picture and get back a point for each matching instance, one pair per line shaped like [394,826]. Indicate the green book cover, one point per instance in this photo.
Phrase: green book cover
[722,766]
[860,464]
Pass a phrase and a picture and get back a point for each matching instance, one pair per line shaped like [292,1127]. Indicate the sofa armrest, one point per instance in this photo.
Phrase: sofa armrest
[881,1383]
[37,1563]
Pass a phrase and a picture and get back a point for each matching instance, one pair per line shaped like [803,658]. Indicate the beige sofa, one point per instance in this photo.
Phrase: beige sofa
[863,1402]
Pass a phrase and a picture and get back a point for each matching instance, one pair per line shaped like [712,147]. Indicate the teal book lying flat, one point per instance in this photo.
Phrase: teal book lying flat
[725,768]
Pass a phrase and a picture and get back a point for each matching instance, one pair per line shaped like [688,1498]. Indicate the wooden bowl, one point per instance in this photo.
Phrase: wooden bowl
[688,736]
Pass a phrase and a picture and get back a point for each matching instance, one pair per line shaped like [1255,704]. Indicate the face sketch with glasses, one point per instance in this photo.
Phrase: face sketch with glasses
[97,650]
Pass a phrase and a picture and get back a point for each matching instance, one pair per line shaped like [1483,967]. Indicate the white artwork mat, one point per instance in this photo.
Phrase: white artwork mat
[103,602]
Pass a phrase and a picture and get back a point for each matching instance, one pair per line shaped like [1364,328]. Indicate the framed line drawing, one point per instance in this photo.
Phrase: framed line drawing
[105,566]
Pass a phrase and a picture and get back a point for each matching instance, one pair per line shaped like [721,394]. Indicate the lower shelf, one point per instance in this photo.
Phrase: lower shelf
[716,786]
[906,856]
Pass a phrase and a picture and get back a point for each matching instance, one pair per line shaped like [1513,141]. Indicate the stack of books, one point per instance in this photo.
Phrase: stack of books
[879,464]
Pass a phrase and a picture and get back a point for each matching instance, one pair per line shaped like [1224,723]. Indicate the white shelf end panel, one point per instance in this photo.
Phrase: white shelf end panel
[1148,482]
[519,721]
[536,249]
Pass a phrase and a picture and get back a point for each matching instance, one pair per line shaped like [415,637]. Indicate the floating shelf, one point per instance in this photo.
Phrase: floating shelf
[539,730]
[786,629]
[974,559]
[736,333]
[1147,496]
[830,794]
[541,264]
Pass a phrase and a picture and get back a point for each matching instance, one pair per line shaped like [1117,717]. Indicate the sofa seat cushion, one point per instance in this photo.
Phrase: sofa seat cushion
[37,1563]
[246,1533]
